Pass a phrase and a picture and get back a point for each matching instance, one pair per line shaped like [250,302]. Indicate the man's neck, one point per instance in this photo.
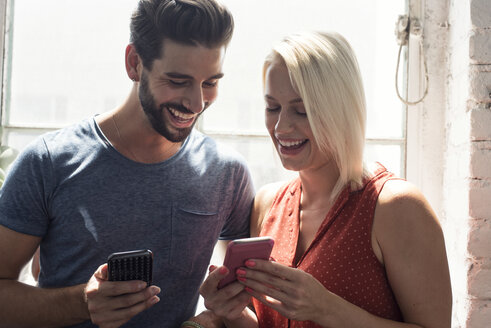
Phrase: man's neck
[131,134]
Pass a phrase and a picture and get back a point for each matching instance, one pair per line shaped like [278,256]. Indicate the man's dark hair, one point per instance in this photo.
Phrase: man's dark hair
[191,22]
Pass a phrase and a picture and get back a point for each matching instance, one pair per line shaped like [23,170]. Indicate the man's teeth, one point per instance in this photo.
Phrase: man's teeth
[180,114]
[290,143]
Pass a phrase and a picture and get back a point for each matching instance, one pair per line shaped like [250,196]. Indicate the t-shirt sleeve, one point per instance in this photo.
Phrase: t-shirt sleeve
[25,192]
[237,224]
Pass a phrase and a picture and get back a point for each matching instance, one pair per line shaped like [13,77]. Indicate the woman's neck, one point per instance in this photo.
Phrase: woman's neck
[317,186]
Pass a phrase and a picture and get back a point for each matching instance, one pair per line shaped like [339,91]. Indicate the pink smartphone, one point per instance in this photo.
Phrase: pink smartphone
[241,250]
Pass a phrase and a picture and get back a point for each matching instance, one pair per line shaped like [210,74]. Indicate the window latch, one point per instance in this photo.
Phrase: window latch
[406,26]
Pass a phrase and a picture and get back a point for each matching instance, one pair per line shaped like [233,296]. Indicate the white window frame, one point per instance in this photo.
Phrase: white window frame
[425,122]
[3,24]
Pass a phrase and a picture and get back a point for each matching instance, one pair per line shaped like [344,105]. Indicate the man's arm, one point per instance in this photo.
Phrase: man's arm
[111,303]
[24,305]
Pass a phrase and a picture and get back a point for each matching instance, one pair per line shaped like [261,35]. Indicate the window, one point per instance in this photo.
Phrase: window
[65,61]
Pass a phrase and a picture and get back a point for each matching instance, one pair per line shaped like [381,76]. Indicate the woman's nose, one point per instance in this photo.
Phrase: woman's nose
[284,122]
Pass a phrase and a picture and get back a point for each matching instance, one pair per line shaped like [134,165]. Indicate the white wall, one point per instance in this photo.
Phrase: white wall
[452,144]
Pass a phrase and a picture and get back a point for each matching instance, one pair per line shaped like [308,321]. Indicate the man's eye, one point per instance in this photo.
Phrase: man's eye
[177,83]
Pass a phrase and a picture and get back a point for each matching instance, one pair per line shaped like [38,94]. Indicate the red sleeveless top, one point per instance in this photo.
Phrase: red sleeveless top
[340,256]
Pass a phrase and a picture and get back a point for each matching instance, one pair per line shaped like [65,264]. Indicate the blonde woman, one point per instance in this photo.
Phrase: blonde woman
[355,246]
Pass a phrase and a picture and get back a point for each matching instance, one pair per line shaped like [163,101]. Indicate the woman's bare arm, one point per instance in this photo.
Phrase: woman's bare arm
[409,241]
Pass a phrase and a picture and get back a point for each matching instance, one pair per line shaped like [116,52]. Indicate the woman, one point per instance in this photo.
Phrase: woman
[354,245]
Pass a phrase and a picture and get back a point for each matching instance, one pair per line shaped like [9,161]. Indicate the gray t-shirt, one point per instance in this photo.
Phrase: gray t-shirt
[86,200]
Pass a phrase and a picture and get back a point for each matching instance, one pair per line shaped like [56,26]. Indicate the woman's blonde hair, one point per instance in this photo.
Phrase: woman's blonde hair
[324,72]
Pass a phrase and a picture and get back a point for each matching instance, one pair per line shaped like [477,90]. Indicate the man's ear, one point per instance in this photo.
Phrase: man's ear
[133,63]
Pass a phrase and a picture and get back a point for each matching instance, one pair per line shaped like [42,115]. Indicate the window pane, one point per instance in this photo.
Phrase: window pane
[262,158]
[388,155]
[67,60]
[18,139]
[266,166]
[368,26]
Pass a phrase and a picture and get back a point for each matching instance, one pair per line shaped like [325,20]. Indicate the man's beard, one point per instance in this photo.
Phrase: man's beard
[154,114]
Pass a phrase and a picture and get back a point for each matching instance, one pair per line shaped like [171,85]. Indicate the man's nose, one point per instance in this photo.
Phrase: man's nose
[194,100]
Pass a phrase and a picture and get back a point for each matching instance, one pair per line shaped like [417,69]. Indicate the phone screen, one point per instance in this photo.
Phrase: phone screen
[241,250]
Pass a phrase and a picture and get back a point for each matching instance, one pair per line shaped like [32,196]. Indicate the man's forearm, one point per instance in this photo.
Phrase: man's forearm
[22,305]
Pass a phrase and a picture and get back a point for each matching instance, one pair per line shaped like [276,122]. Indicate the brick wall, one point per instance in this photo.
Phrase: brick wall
[453,148]
[466,200]
[479,107]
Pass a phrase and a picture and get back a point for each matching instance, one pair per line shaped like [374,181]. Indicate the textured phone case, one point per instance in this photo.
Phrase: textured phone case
[133,265]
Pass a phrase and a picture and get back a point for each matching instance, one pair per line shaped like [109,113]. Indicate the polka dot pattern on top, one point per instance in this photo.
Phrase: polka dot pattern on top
[340,256]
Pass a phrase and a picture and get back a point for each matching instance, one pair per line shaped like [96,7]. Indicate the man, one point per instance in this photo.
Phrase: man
[136,177]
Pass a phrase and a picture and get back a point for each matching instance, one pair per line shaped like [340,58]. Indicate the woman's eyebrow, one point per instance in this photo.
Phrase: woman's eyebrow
[293,101]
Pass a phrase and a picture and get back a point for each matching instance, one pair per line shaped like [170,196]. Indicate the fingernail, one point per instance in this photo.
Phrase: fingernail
[155,290]
[155,299]
[250,263]
[142,285]
[223,270]
[272,259]
[240,272]
[241,279]
[249,290]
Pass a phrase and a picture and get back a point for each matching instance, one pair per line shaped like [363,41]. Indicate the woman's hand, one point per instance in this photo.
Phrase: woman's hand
[292,292]
[228,302]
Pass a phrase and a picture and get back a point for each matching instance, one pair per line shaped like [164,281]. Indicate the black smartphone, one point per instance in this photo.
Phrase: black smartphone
[131,265]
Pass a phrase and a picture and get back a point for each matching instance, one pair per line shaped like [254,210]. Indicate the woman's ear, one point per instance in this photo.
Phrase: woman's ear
[133,63]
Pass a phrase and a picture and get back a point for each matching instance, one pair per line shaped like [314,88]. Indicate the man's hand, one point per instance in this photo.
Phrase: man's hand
[113,303]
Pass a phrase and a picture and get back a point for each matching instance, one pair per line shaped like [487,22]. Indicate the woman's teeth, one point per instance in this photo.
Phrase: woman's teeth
[291,143]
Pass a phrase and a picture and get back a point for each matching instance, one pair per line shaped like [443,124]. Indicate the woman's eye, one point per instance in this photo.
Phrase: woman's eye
[210,84]
[272,108]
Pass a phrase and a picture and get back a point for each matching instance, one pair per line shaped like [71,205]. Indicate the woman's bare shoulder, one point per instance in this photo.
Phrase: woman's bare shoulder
[262,203]
[398,194]
[403,214]
[267,193]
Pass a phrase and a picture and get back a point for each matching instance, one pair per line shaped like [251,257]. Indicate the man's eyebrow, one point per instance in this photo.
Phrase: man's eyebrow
[176,75]
[293,101]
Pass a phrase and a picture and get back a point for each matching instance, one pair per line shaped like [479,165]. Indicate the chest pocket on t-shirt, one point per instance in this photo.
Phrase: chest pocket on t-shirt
[194,233]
